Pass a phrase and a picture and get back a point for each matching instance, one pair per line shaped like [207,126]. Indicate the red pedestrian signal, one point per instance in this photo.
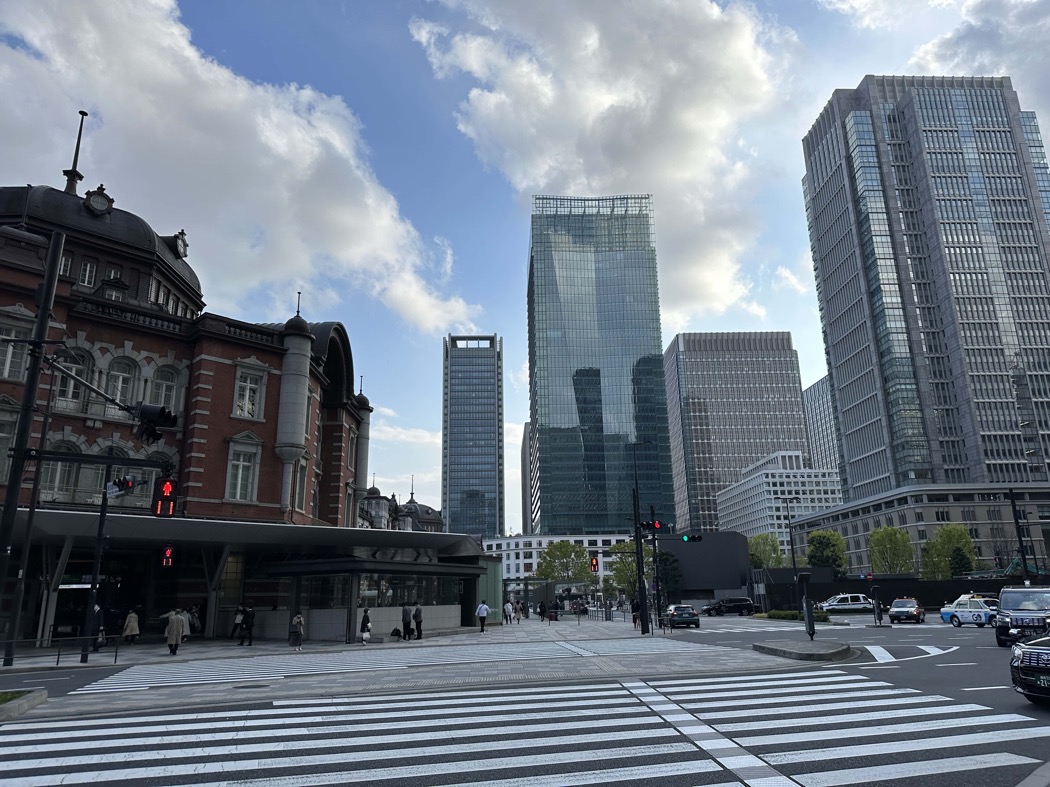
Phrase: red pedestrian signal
[168,556]
[164,497]
[594,565]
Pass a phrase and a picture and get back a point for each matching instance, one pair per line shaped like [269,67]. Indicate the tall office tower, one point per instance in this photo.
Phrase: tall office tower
[732,399]
[597,401]
[472,436]
[928,202]
[820,425]
[526,479]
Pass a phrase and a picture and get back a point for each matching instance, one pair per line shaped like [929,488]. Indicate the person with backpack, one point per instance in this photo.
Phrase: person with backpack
[482,612]
[296,630]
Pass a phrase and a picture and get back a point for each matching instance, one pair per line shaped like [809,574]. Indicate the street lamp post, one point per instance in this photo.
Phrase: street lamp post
[786,501]
[639,551]
[1020,538]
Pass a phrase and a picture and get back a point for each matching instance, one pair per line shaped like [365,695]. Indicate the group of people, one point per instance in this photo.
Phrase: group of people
[512,611]
[244,623]
[410,617]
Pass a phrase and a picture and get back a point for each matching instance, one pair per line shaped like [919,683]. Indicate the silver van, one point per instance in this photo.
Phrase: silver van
[847,602]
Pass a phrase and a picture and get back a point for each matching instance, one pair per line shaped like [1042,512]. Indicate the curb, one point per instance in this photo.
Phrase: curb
[809,651]
[29,699]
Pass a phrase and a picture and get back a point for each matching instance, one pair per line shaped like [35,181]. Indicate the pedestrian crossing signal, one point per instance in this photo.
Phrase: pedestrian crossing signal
[594,565]
[168,557]
[164,497]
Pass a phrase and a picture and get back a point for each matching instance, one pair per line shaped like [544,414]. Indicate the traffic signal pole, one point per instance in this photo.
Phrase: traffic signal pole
[96,566]
[656,565]
[643,606]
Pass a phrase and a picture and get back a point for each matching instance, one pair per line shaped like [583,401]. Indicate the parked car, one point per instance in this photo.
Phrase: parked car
[741,605]
[906,609]
[969,608]
[681,615]
[1030,669]
[847,602]
[1024,612]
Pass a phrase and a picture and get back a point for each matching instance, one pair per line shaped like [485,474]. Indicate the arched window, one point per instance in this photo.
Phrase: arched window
[71,396]
[163,388]
[120,384]
[58,480]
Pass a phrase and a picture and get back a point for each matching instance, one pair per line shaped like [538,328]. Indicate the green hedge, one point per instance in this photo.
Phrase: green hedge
[785,614]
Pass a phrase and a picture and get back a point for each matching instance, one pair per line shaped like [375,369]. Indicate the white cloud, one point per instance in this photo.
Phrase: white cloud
[873,14]
[272,182]
[648,97]
[411,435]
[786,278]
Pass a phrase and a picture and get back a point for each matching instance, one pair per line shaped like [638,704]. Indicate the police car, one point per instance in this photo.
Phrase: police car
[970,608]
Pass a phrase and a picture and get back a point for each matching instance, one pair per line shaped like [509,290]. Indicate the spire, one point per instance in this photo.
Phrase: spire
[298,301]
[73,177]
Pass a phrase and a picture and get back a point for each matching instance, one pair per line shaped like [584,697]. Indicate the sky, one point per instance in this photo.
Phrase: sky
[381,157]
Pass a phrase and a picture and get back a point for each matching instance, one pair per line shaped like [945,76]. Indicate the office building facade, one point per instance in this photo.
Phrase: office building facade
[472,491]
[733,398]
[928,203]
[598,405]
[820,424]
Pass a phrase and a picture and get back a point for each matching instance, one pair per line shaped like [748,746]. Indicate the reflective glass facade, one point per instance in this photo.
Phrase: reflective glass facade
[472,493]
[598,405]
[927,201]
[733,399]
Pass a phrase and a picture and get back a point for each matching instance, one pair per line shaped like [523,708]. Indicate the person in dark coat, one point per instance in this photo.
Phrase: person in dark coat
[296,631]
[417,618]
[98,628]
[543,610]
[406,622]
[247,625]
[238,618]
[366,628]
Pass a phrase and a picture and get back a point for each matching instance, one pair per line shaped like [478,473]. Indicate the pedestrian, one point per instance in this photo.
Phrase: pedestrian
[186,624]
[296,631]
[247,625]
[366,627]
[238,618]
[174,631]
[517,612]
[406,622]
[131,627]
[508,612]
[417,618]
[98,628]
[634,612]
[543,610]
[482,612]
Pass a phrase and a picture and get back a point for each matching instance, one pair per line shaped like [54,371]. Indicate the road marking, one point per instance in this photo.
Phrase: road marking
[959,664]
[880,654]
[905,770]
[880,666]
[985,688]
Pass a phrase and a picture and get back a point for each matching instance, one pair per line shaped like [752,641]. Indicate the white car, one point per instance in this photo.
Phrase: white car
[970,609]
[847,602]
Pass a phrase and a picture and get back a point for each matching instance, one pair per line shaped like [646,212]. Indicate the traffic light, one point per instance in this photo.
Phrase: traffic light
[152,418]
[168,556]
[164,496]
[658,527]
[594,564]
[646,526]
[124,484]
[688,537]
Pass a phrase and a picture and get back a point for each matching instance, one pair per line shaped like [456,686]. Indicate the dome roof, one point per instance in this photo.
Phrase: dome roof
[49,207]
[297,325]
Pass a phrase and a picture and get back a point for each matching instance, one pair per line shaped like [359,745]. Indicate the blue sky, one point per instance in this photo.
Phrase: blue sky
[381,157]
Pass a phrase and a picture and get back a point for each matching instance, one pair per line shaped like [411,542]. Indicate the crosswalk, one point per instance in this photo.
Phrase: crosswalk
[813,728]
[199,672]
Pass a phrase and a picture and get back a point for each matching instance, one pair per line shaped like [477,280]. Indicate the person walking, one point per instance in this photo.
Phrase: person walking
[247,625]
[482,613]
[517,612]
[98,628]
[417,618]
[238,618]
[296,631]
[508,612]
[406,622]
[187,626]
[131,627]
[366,628]
[543,610]
[174,631]
[634,612]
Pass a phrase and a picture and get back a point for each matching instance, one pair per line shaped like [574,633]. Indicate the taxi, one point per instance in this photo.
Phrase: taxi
[970,608]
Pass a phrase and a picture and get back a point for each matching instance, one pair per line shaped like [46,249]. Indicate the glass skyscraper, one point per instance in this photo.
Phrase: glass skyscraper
[928,203]
[733,399]
[598,405]
[820,425]
[472,493]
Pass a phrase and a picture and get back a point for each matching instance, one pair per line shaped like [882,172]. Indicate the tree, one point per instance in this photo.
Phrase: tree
[891,552]
[765,551]
[828,548]
[937,552]
[622,568]
[670,577]
[563,561]
[959,562]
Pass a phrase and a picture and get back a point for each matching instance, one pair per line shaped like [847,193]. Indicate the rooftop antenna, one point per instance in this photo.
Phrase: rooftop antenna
[361,390]
[298,301]
[72,176]
[412,488]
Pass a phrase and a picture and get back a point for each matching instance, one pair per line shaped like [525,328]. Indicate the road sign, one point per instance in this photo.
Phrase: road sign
[868,576]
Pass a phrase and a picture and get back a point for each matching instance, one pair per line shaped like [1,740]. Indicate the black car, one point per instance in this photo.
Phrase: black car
[1030,669]
[727,606]
[681,615]
[1024,611]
